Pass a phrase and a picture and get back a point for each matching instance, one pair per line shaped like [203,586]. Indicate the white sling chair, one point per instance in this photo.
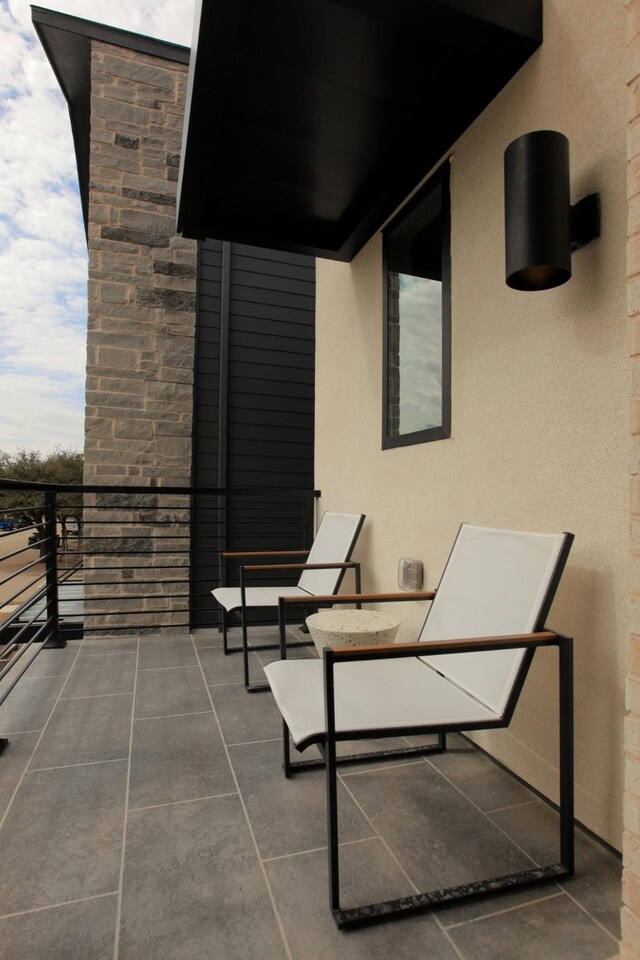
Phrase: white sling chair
[322,573]
[485,621]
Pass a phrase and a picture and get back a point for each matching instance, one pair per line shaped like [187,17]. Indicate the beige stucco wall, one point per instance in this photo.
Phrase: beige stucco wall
[540,397]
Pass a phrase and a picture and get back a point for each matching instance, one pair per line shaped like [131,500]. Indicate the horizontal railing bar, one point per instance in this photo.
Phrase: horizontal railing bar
[16,553]
[7,484]
[16,573]
[25,627]
[5,670]
[135,613]
[143,526]
[128,597]
[11,685]
[134,628]
[15,596]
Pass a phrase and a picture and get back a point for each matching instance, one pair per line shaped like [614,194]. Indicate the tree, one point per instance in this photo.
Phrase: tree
[62,466]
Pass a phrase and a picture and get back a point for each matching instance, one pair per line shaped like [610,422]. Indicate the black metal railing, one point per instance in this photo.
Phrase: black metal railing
[127,560]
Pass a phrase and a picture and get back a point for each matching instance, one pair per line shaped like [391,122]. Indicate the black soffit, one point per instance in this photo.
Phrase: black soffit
[309,121]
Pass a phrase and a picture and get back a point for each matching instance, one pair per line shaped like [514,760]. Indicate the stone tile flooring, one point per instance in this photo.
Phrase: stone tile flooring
[145,816]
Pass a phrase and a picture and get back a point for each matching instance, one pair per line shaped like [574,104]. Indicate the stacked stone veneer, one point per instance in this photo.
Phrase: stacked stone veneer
[140,343]
[630,946]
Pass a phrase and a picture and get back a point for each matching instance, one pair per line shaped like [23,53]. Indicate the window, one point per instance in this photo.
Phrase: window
[417,322]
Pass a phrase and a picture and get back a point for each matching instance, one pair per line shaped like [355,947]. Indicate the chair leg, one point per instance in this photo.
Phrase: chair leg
[286,751]
[332,823]
[245,650]
[567,827]
[223,624]
[249,687]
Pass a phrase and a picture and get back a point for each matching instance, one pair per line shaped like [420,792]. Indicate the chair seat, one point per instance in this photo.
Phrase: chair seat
[230,598]
[373,694]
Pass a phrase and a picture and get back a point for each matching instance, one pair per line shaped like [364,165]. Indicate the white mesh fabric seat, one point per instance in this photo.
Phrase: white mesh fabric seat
[497,584]
[333,544]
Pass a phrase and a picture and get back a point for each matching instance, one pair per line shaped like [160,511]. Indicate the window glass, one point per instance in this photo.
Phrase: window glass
[417,327]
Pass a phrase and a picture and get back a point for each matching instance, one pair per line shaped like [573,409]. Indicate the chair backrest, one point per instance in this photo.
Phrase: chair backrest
[495,583]
[334,541]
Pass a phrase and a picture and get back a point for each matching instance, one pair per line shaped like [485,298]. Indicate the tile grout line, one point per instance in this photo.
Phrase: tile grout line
[110,653]
[378,836]
[98,696]
[445,933]
[172,716]
[177,666]
[585,911]
[302,853]
[82,763]
[251,743]
[56,906]
[393,856]
[230,683]
[176,803]
[116,942]
[439,923]
[482,812]
[558,884]
[19,733]
[37,744]
[388,766]
[499,913]
[248,821]
[512,806]
[46,676]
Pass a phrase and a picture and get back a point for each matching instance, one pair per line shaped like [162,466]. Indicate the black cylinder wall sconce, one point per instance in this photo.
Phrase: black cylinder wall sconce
[541,227]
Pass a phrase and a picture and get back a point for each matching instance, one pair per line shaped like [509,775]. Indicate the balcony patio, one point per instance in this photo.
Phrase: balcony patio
[143,808]
[145,815]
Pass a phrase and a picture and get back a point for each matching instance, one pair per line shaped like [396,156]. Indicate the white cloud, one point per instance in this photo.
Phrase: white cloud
[43,257]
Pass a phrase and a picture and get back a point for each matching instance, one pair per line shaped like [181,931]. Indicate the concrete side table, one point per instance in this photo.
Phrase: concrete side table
[348,628]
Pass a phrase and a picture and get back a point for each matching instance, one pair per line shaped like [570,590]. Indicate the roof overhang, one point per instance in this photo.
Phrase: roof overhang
[67,43]
[308,121]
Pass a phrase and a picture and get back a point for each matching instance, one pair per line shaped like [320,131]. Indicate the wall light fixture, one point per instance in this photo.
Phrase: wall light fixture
[542,229]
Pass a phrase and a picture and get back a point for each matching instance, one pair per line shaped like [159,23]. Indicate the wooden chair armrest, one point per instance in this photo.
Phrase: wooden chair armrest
[301,566]
[544,638]
[363,597]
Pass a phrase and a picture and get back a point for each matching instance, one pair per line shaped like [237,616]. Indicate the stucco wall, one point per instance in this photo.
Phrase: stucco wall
[540,392]
[630,946]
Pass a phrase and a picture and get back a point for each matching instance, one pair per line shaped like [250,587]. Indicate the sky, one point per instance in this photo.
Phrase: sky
[43,253]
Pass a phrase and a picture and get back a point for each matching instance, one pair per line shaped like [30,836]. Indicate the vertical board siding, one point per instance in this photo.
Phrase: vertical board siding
[270,403]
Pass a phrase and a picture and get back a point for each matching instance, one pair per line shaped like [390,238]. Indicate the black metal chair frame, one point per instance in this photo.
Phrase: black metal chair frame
[308,603]
[343,566]
[385,910]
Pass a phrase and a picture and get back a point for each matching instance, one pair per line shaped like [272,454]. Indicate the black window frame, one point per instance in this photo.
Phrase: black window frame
[442,432]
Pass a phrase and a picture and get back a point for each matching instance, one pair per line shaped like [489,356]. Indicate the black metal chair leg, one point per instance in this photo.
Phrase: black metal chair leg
[567,834]
[286,751]
[223,624]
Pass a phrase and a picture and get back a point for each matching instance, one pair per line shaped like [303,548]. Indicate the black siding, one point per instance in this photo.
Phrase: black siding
[254,401]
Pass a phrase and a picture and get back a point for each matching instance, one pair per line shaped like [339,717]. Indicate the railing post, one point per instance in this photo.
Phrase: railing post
[51,544]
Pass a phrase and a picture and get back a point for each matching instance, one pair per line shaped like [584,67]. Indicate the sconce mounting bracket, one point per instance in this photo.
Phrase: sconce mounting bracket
[584,221]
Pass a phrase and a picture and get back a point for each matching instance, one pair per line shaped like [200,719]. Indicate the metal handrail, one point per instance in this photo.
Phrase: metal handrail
[127,538]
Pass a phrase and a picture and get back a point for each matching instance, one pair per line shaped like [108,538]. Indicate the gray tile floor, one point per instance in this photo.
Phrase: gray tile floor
[145,816]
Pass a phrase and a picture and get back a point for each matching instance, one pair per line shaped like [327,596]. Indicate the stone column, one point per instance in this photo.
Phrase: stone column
[141,331]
